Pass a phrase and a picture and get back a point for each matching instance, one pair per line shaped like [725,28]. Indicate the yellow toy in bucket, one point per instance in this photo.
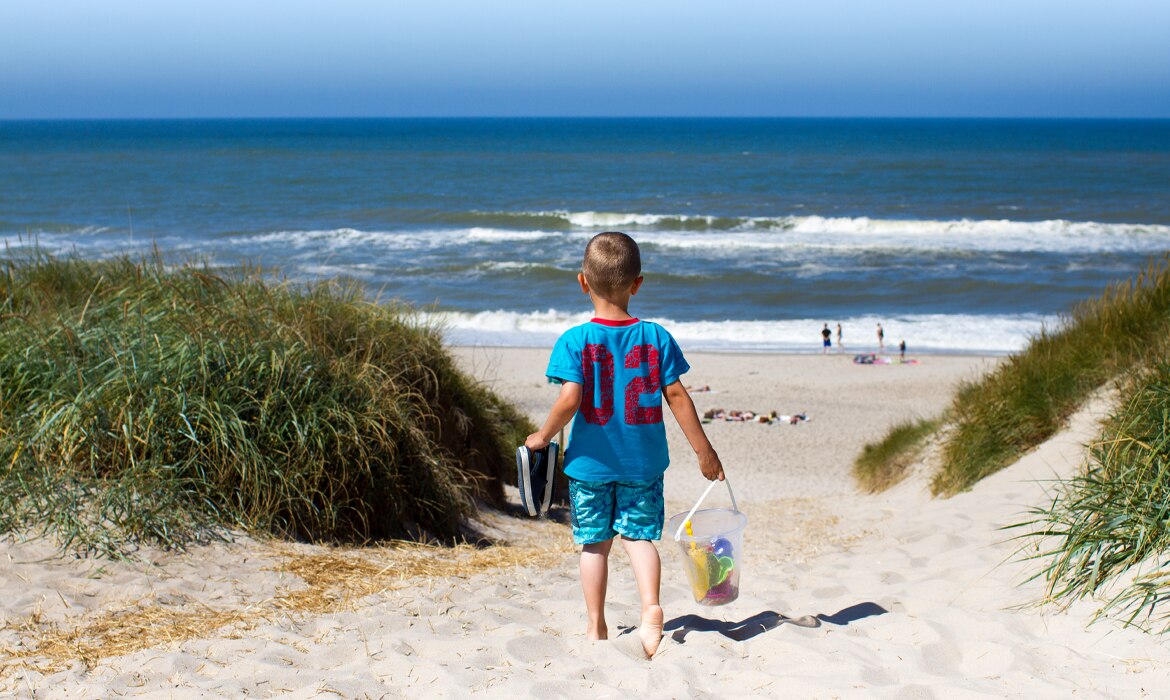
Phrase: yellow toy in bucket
[700,579]
[713,546]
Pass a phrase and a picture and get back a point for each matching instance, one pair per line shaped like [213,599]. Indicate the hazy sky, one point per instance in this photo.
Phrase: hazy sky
[136,58]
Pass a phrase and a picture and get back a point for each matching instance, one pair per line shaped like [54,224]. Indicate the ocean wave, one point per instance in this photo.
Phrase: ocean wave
[405,239]
[599,220]
[938,333]
[491,235]
[28,239]
[799,233]
[809,240]
[844,236]
[798,237]
[339,237]
[511,266]
[794,235]
[681,222]
[324,270]
[93,241]
[821,225]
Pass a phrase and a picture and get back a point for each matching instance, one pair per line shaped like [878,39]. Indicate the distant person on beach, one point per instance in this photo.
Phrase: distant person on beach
[902,350]
[840,345]
[826,343]
[614,372]
[881,338]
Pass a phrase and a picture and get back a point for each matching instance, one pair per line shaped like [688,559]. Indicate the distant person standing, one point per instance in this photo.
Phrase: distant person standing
[902,350]
[826,334]
[881,338]
[840,345]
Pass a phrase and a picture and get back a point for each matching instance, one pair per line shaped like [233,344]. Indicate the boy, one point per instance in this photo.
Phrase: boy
[614,372]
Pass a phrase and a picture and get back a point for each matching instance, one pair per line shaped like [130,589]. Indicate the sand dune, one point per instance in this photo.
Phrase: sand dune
[842,594]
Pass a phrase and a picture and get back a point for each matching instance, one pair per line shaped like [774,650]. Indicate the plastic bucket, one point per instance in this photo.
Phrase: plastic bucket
[712,549]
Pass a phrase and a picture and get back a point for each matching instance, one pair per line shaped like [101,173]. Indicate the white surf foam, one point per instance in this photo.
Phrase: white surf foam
[793,236]
[601,219]
[494,235]
[345,238]
[325,270]
[89,241]
[843,236]
[964,333]
[399,240]
[977,234]
[510,266]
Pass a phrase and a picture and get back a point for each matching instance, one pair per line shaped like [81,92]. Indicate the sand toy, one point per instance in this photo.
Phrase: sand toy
[712,543]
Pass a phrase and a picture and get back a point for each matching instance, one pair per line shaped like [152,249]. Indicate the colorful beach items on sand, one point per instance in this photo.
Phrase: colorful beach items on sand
[712,547]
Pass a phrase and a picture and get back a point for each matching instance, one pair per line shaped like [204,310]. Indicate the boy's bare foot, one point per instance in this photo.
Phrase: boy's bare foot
[599,634]
[650,631]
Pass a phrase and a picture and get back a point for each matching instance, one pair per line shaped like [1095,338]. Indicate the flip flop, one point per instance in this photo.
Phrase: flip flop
[535,473]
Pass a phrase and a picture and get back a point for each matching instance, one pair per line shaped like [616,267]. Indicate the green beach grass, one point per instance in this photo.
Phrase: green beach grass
[1028,398]
[993,421]
[883,464]
[142,403]
[1107,531]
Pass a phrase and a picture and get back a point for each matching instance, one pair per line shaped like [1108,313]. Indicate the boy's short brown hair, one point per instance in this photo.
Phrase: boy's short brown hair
[612,262]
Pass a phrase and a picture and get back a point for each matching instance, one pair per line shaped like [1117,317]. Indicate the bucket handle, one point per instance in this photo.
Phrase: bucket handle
[683,524]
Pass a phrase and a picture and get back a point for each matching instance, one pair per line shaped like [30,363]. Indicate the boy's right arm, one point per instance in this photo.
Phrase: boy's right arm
[684,412]
[560,415]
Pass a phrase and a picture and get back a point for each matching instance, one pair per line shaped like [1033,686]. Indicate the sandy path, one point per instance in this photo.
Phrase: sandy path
[895,596]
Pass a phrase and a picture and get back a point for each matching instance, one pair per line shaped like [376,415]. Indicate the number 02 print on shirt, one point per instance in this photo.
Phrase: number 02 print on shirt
[597,371]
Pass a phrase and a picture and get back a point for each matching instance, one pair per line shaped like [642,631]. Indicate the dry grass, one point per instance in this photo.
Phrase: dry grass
[810,528]
[49,647]
[337,579]
[334,580]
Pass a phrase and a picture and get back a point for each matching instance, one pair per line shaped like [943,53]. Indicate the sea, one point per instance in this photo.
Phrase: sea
[958,236]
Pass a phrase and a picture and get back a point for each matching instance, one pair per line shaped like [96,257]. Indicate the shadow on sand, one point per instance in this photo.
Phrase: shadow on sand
[759,623]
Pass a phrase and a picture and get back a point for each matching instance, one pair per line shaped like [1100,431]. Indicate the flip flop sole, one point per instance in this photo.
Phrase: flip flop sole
[524,479]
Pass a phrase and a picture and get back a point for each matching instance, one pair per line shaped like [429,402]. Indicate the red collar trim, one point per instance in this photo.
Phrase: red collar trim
[607,322]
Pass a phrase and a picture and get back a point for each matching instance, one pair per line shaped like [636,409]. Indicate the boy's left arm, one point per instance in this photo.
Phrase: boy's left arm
[688,419]
[558,417]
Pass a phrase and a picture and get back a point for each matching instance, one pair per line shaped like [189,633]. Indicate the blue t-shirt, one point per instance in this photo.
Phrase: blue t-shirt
[622,367]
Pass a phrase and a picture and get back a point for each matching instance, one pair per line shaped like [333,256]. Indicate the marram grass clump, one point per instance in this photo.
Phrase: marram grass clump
[1026,399]
[887,462]
[1106,532]
[143,403]
[1029,396]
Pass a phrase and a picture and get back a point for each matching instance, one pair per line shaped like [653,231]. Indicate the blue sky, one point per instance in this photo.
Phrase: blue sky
[121,58]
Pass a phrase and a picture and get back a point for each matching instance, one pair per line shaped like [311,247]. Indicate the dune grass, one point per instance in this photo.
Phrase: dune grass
[1107,530]
[884,463]
[1027,398]
[144,403]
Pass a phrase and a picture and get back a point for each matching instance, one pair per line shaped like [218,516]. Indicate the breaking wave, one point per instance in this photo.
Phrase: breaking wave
[936,333]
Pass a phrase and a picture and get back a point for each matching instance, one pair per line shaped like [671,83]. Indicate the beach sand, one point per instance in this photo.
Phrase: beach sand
[842,594]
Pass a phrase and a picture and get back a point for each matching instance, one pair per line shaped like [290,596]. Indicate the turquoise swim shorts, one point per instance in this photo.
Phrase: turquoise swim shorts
[604,509]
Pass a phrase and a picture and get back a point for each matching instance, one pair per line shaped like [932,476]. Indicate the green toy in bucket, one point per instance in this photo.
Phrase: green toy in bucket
[712,545]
